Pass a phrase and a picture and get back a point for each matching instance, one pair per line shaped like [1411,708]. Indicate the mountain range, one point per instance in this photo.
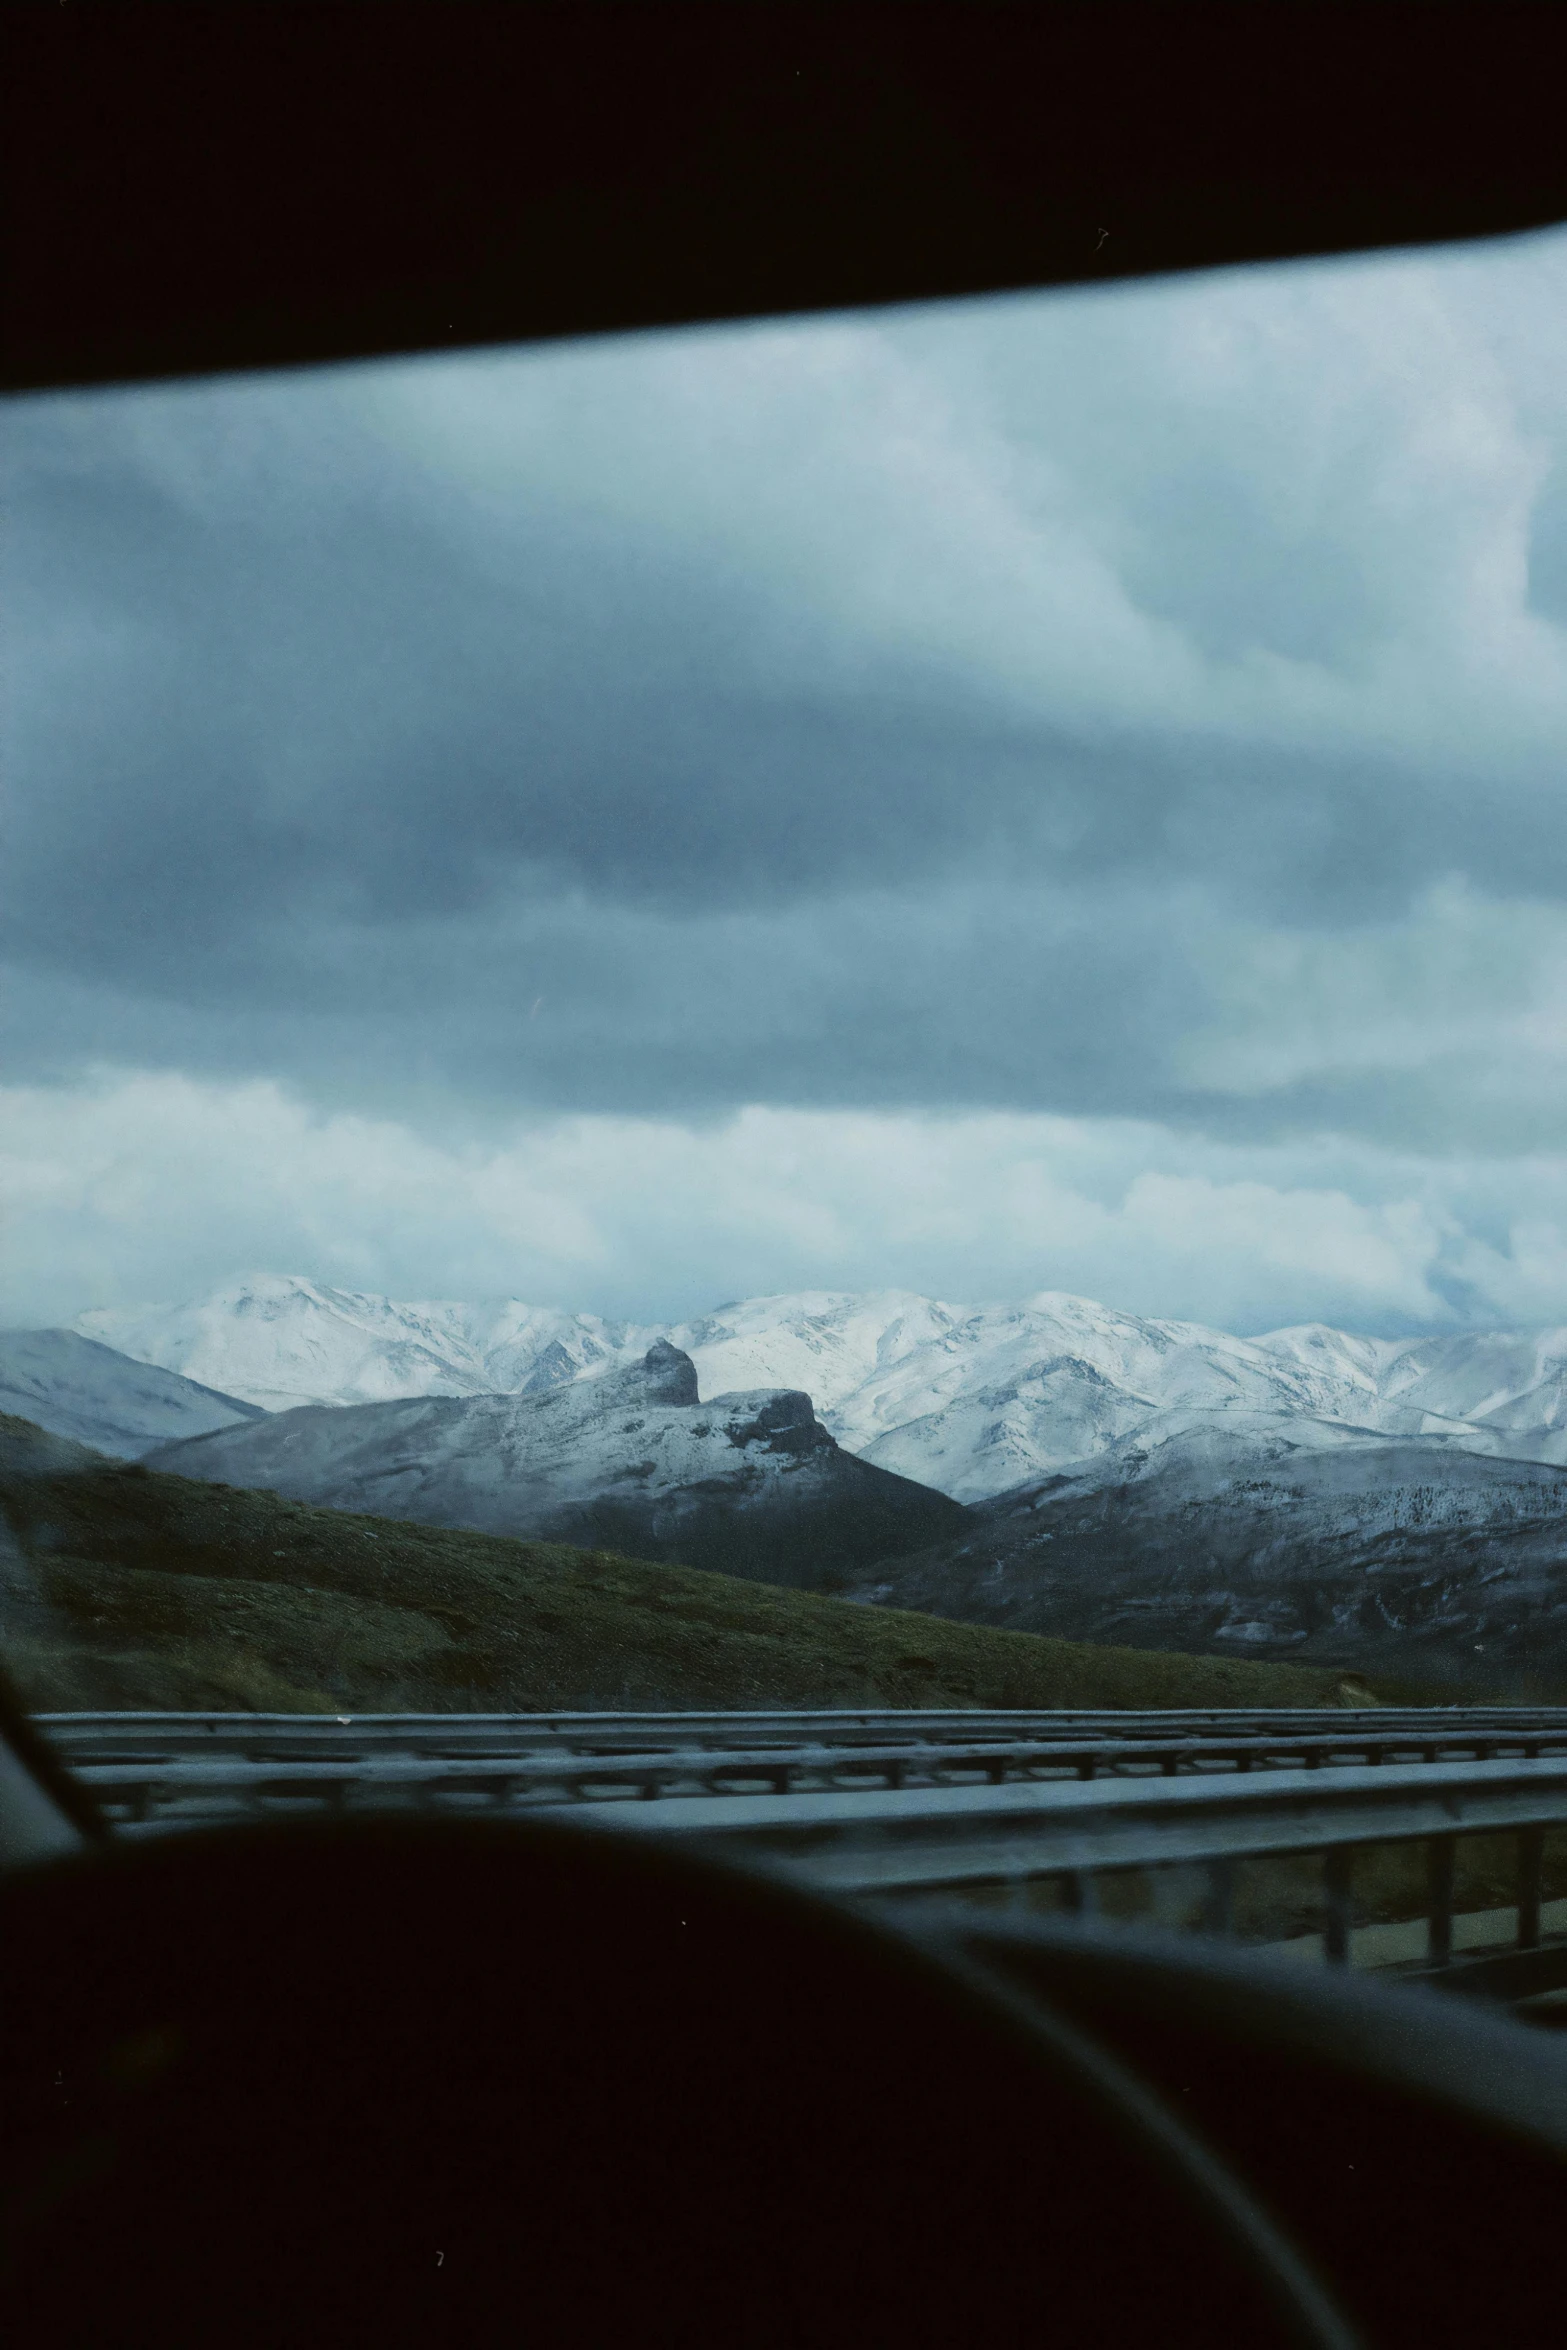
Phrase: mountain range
[972,1400]
[1052,1466]
[125,1588]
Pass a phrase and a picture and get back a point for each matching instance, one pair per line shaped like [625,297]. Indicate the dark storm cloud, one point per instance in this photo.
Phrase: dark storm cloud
[876,1002]
[1548,546]
[591,731]
[336,712]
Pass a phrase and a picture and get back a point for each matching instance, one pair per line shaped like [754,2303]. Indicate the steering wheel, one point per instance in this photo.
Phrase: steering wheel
[394,2081]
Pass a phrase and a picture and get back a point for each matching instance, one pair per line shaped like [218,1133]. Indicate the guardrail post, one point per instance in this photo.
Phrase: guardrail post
[1442,1861]
[1337,1863]
[1218,1909]
[1082,1895]
[1531,1858]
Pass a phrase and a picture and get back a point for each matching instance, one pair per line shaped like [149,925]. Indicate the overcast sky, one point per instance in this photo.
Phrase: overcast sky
[1064,792]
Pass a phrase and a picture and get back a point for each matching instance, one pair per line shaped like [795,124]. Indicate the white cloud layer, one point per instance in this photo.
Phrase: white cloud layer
[150,1187]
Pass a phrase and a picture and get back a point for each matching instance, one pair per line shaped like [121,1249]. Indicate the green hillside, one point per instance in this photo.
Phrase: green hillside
[123,1587]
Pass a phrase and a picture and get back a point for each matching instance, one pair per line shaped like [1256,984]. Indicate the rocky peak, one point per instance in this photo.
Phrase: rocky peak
[784,1422]
[665,1375]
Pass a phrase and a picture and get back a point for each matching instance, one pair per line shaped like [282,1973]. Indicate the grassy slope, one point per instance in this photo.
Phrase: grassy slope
[145,1590]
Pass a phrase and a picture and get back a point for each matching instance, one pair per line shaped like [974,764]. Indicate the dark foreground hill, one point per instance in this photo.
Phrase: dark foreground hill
[1413,1557]
[121,1586]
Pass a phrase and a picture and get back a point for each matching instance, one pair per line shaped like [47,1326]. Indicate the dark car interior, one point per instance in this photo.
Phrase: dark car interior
[391,2080]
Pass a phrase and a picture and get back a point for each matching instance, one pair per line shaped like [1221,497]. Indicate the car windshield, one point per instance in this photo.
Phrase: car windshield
[862,1013]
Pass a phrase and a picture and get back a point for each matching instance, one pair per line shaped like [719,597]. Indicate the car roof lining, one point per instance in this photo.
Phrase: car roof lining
[194,189]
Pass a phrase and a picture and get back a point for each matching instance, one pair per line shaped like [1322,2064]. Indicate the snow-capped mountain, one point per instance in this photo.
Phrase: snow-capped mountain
[1413,1555]
[632,1461]
[74,1387]
[972,1400]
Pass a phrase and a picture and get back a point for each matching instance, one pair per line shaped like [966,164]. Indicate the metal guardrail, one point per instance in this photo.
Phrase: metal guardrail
[878,1805]
[956,1840]
[87,1735]
[152,1769]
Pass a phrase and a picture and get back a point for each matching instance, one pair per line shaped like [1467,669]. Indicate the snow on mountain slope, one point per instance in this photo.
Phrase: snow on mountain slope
[750,1484]
[1025,1390]
[74,1387]
[279,1341]
[971,1400]
[1502,1392]
[835,1344]
[1197,1456]
[1509,1385]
